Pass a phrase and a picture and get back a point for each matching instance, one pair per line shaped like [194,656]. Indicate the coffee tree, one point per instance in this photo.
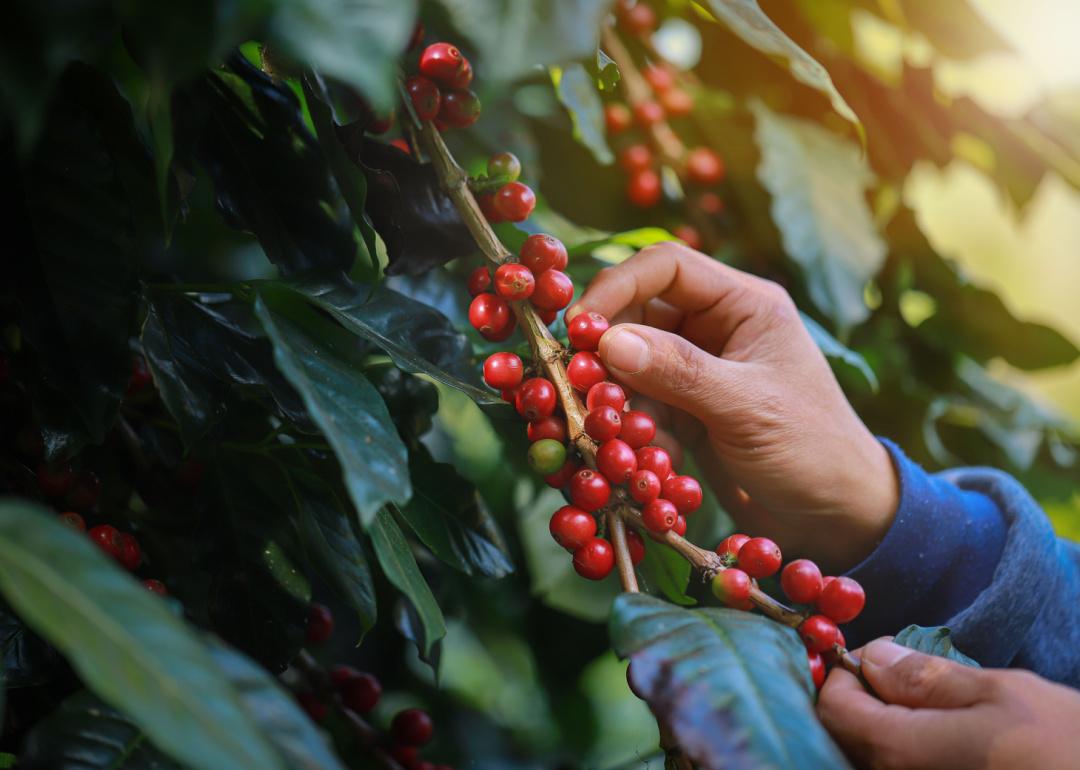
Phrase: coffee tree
[304,464]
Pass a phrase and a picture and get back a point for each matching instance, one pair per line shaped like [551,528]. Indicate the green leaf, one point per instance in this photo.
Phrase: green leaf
[666,571]
[746,19]
[733,686]
[124,642]
[25,658]
[817,181]
[318,359]
[840,354]
[631,239]
[935,640]
[576,90]
[399,565]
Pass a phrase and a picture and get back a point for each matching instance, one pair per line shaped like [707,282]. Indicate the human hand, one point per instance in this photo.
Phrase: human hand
[934,713]
[784,451]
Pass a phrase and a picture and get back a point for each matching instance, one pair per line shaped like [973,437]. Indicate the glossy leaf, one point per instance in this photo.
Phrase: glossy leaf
[733,686]
[840,354]
[665,571]
[123,641]
[935,640]
[576,90]
[25,658]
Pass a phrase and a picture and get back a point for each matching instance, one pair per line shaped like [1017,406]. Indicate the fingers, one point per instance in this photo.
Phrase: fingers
[902,676]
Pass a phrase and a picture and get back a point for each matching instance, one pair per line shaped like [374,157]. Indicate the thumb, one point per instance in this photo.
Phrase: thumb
[666,367]
[907,678]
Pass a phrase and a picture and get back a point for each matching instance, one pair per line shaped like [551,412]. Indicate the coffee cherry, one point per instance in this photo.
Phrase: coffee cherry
[729,547]
[711,203]
[615,459]
[547,317]
[689,235]
[585,370]
[73,520]
[424,95]
[842,600]
[648,113]
[826,580]
[312,706]
[412,727]
[547,427]
[602,423]
[536,399]
[155,587]
[589,490]
[817,668]
[595,559]
[503,370]
[652,458]
[320,624]
[509,395]
[402,145]
[586,329]
[140,378]
[514,281]
[760,557]
[659,515]
[636,157]
[637,19]
[661,78]
[684,492]
[515,201]
[562,477]
[380,124]
[636,546]
[801,581]
[732,587]
[130,552]
[644,189]
[85,490]
[680,526]
[442,62]
[547,456]
[489,314]
[617,118]
[677,103]
[818,633]
[644,486]
[703,166]
[572,527]
[107,538]
[638,430]
[360,692]
[341,673]
[460,109]
[554,290]
[491,213]
[406,756]
[542,252]
[605,394]
[463,79]
[54,481]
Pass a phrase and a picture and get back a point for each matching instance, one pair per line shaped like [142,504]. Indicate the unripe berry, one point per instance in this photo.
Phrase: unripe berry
[732,587]
[589,490]
[818,633]
[130,552]
[515,201]
[760,557]
[504,164]
[602,423]
[680,526]
[547,456]
[659,515]
[636,157]
[562,477]
[536,399]
[655,459]
[424,95]
[73,520]
[703,166]
[412,727]
[638,430]
[615,459]
[595,559]
[677,102]
[514,281]
[586,329]
[605,394]
[442,62]
[842,600]
[817,668]
[644,189]
[503,370]
[155,587]
[542,252]
[644,486]
[554,290]
[689,235]
[801,581]
[107,538]
[648,113]
[460,109]
[547,427]
[617,118]
[572,527]
[585,370]
[684,492]
[489,314]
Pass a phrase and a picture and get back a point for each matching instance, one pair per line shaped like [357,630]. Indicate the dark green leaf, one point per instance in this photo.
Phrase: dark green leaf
[604,70]
[936,640]
[840,354]
[734,687]
[25,658]
[124,642]
[399,566]
[665,571]
[318,358]
[411,626]
[576,90]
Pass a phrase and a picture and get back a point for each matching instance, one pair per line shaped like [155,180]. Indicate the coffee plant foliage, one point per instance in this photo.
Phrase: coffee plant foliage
[194,191]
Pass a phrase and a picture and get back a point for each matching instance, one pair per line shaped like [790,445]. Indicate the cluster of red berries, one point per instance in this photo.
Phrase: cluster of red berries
[360,692]
[835,600]
[440,91]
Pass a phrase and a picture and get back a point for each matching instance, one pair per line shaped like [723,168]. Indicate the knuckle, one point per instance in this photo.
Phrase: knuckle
[927,677]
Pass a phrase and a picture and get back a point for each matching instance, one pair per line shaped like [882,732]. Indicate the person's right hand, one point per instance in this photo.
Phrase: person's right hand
[783,449]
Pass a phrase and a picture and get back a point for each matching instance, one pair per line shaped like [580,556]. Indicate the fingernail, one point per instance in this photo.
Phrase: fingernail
[572,311]
[626,351]
[883,653]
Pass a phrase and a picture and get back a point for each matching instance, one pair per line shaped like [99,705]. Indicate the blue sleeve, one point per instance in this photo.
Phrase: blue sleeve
[971,550]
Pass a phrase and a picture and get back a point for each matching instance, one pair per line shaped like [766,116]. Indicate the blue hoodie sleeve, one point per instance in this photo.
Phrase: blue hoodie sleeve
[971,550]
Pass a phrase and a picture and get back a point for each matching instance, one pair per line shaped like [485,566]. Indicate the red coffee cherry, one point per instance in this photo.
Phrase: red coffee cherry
[703,166]
[636,545]
[589,490]
[653,458]
[660,77]
[73,520]
[680,526]
[586,329]
[826,580]
[595,559]
[547,317]
[107,538]
[636,157]
[486,201]
[659,515]
[412,727]
[320,624]
[503,370]
[536,399]
[688,234]
[554,290]
[130,552]
[644,486]
[605,394]
[644,189]
[312,706]
[677,103]
[489,314]
[760,557]
[648,113]
[424,95]
[463,79]
[732,587]
[547,427]
[817,668]
[380,124]
[515,201]
[617,118]
[801,581]
[509,395]
[585,370]
[562,477]
[442,62]
[402,145]
[572,527]
[637,19]
[85,490]
[361,692]
[543,252]
[460,109]
[514,281]
[638,430]
[504,164]
[729,547]
[818,633]
[842,600]
[602,423]
[684,492]
[615,459]
[140,376]
[54,481]
[406,756]
[155,587]
[711,203]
